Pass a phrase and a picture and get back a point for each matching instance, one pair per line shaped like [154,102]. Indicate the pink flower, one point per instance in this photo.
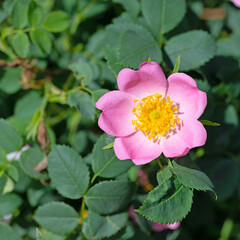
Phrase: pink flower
[150,115]
[156,227]
[236,2]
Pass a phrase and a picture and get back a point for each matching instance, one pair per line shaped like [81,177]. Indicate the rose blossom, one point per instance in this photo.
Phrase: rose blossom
[150,115]
[236,2]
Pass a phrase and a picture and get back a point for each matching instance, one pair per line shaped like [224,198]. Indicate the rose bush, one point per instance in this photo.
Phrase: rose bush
[103,107]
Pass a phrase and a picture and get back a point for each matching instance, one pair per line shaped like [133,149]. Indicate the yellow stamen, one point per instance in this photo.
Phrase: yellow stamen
[156,116]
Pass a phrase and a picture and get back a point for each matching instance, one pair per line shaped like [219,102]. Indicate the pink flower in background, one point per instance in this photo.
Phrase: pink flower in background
[16,155]
[236,2]
[150,115]
[156,227]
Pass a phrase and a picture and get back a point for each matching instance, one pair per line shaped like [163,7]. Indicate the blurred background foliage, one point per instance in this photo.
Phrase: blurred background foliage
[58,57]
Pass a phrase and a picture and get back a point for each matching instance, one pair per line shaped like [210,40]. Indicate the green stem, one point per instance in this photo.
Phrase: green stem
[81,88]
[159,163]
[93,179]
[82,207]
[169,162]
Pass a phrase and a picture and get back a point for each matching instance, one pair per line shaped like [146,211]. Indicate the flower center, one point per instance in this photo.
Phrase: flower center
[157,116]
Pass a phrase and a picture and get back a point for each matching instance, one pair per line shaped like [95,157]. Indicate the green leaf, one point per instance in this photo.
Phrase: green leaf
[163,175]
[229,47]
[169,202]
[82,101]
[231,116]
[136,46]
[225,178]
[21,44]
[108,146]
[26,106]
[8,233]
[42,40]
[39,235]
[12,172]
[9,203]
[109,196]
[97,94]
[35,14]
[20,13]
[199,49]
[57,217]
[7,9]
[82,71]
[177,65]
[96,42]
[209,123]
[56,21]
[10,80]
[110,54]
[10,140]
[133,6]
[99,227]
[29,160]
[3,180]
[105,163]
[68,172]
[35,193]
[192,178]
[163,15]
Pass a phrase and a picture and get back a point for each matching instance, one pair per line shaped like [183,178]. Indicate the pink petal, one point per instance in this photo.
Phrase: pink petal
[191,135]
[116,118]
[136,147]
[183,89]
[174,226]
[148,80]
[236,2]
[157,227]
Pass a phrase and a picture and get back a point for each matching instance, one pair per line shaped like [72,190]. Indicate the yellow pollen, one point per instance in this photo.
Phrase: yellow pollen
[156,116]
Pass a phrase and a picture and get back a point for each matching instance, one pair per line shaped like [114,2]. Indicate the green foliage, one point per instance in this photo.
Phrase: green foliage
[83,102]
[9,82]
[105,163]
[164,175]
[99,227]
[35,14]
[225,178]
[39,236]
[8,233]
[68,172]
[192,178]
[29,160]
[9,203]
[19,15]
[57,217]
[57,58]
[135,46]
[42,40]
[82,71]
[200,49]
[168,195]
[177,65]
[163,15]
[21,44]
[209,123]
[113,194]
[10,140]
[56,21]
[133,7]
